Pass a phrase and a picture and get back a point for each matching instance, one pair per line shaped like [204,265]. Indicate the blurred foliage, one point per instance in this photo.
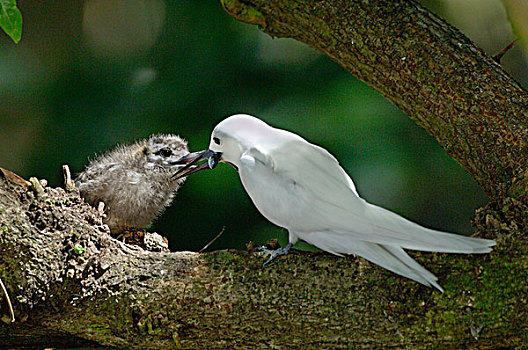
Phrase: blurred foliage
[91,74]
[11,19]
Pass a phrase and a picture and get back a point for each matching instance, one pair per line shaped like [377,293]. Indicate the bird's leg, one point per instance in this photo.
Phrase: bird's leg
[273,253]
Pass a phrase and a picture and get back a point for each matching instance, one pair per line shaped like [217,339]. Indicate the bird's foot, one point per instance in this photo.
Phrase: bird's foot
[273,253]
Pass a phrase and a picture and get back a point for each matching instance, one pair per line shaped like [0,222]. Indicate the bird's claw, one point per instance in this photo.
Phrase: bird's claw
[273,253]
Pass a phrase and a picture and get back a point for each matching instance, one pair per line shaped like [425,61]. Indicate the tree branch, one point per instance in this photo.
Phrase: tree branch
[116,294]
[426,67]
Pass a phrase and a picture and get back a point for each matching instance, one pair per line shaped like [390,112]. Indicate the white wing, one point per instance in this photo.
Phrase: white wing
[322,197]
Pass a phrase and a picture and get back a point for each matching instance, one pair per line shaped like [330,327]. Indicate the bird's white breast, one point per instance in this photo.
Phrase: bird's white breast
[276,197]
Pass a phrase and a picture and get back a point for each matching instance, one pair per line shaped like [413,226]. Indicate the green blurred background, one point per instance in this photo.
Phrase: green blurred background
[88,75]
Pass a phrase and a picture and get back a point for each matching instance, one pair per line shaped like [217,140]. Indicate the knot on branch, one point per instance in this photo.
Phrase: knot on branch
[506,215]
[244,12]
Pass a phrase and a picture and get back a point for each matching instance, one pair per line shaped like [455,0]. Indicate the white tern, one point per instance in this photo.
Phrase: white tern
[301,187]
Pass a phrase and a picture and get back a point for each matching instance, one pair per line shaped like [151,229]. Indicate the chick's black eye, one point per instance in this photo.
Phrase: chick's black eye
[164,152]
[216,140]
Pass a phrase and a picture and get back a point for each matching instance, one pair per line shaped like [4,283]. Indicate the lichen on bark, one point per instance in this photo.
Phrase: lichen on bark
[117,294]
[120,295]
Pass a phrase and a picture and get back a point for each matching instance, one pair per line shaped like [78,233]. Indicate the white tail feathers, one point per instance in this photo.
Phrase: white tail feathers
[393,257]
[444,242]
[390,228]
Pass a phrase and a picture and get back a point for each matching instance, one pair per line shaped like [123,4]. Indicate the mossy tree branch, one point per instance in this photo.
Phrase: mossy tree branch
[426,67]
[116,294]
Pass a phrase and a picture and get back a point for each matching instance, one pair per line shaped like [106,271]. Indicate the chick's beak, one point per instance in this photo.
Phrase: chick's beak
[190,160]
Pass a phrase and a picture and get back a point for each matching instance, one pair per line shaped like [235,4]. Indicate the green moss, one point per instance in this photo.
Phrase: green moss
[79,249]
[221,257]
[243,12]
[176,340]
[145,325]
[346,300]
[37,187]
[100,329]
[6,278]
[75,234]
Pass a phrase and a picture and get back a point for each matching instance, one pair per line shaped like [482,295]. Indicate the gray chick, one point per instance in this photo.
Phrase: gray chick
[134,181]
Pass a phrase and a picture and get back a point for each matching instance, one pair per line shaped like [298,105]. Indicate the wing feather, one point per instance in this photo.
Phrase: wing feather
[330,202]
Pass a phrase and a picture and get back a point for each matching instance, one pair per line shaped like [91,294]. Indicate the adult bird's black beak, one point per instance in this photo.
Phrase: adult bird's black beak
[192,159]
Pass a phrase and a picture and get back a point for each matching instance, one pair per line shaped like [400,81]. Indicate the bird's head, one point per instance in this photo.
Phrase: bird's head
[229,140]
[162,151]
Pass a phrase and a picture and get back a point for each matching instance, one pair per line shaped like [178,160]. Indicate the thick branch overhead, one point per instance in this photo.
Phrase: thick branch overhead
[426,67]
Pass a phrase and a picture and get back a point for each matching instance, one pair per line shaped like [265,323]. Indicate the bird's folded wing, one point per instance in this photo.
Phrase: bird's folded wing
[330,201]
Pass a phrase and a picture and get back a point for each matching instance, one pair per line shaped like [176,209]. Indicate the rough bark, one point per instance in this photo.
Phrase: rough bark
[426,67]
[71,282]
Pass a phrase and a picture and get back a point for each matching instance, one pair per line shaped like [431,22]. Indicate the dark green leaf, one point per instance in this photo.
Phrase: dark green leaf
[11,19]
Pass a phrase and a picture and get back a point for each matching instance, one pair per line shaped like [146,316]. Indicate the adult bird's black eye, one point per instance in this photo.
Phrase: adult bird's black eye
[165,152]
[216,140]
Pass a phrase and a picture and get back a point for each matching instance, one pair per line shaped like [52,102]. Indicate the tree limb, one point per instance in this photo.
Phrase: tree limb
[116,294]
[426,67]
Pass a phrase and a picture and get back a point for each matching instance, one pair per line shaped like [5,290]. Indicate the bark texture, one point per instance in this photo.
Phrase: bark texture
[427,68]
[74,285]
[70,282]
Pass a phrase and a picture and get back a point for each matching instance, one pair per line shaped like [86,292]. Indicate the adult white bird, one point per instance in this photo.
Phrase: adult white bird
[301,187]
